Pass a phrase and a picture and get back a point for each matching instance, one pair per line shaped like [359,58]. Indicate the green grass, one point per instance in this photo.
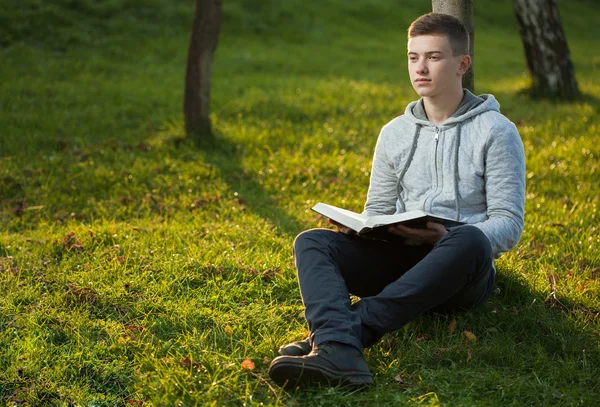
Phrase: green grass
[136,267]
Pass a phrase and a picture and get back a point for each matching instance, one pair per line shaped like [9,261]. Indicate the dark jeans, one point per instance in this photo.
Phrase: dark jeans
[396,282]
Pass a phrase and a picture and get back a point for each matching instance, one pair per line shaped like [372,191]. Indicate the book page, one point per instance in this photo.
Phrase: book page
[380,220]
[353,220]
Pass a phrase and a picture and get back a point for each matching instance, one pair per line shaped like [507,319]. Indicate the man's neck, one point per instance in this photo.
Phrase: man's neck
[441,107]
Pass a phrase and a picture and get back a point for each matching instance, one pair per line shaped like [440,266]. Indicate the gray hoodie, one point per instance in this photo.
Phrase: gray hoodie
[471,168]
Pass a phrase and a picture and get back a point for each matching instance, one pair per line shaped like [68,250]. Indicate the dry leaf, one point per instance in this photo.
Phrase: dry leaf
[70,242]
[469,354]
[187,363]
[81,294]
[452,326]
[439,352]
[404,380]
[133,327]
[470,336]
[422,337]
[247,364]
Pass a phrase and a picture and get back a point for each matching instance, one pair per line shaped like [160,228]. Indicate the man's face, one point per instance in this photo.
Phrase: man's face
[432,68]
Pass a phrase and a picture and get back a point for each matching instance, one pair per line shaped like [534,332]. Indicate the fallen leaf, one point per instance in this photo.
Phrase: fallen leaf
[187,363]
[247,364]
[70,242]
[452,326]
[469,354]
[404,380]
[125,200]
[470,336]
[81,294]
[422,337]
[439,352]
[269,274]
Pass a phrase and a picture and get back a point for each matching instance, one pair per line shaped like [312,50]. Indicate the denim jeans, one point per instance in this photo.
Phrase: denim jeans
[395,282]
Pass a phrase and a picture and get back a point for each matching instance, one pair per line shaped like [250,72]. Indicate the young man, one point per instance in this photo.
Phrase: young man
[452,154]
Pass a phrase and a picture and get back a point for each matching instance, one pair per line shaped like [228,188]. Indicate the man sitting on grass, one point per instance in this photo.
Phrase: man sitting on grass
[452,154]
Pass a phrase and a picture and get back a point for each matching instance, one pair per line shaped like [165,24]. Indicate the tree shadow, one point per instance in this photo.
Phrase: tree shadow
[519,331]
[226,156]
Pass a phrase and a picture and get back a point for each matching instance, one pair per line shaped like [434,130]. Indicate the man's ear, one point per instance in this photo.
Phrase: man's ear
[465,63]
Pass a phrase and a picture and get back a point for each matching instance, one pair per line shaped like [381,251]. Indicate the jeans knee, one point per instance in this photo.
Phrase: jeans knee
[312,238]
[473,240]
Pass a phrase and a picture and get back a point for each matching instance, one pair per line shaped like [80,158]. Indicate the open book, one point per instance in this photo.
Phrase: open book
[376,226]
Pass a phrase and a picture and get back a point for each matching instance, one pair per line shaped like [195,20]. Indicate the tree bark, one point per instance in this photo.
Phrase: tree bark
[463,10]
[546,49]
[203,43]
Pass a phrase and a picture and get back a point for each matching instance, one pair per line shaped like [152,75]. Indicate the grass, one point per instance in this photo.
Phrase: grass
[139,269]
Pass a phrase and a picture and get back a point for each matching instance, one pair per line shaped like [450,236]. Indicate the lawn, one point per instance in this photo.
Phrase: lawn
[139,268]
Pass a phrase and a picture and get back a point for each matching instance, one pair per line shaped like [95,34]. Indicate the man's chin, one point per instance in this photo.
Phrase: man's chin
[423,92]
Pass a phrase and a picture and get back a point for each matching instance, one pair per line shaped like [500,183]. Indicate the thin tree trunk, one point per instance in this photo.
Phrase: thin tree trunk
[463,10]
[203,43]
[546,49]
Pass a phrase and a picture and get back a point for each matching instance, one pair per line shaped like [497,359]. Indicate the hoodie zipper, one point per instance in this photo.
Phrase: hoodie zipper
[430,197]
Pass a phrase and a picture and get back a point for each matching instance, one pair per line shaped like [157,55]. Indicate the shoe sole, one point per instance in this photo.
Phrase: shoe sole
[291,375]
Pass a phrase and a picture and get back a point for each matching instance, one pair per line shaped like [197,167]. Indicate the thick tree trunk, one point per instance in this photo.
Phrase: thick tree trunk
[203,43]
[546,48]
[463,10]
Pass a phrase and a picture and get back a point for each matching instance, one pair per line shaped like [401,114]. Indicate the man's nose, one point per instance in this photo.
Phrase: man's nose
[422,67]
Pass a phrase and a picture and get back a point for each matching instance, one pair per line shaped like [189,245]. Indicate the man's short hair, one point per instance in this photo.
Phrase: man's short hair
[442,24]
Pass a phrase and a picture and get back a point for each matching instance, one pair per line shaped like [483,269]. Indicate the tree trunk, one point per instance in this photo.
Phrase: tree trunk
[463,10]
[203,43]
[546,49]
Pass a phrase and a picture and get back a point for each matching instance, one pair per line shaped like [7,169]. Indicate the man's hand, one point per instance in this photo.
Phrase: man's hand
[344,229]
[416,236]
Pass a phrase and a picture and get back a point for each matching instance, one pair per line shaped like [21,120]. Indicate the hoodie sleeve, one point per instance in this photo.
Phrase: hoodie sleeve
[382,194]
[504,187]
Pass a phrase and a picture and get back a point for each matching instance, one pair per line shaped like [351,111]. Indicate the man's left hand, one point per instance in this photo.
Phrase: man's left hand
[429,235]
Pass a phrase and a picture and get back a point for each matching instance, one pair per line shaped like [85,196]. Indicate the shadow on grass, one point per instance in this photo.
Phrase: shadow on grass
[226,156]
[535,352]
[510,100]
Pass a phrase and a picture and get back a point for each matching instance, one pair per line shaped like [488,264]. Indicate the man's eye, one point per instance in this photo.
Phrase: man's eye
[434,57]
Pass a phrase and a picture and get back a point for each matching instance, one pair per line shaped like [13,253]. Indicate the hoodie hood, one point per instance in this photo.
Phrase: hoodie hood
[470,106]
[470,168]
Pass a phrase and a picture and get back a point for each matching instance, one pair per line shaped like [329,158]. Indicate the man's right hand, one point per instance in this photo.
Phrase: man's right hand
[344,229]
